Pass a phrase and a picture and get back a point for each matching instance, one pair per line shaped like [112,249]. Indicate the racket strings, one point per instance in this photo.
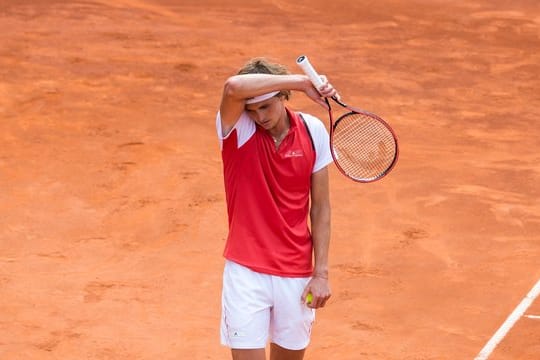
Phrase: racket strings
[363,146]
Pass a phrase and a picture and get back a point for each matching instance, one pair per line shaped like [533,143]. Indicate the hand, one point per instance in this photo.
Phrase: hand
[320,291]
[324,91]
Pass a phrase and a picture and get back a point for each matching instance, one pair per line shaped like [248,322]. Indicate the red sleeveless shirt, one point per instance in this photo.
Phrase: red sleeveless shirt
[267,192]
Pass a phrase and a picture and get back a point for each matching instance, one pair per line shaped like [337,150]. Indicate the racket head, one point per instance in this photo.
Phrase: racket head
[364,146]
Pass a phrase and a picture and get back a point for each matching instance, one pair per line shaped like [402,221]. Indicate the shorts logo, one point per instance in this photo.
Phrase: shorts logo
[294,153]
[237,334]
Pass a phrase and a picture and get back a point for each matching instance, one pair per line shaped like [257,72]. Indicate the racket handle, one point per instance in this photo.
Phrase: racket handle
[309,70]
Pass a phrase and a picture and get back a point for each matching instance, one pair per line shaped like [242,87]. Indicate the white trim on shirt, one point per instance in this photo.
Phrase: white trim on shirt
[245,128]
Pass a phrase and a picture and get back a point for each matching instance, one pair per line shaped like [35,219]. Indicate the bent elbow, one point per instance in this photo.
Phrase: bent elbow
[232,87]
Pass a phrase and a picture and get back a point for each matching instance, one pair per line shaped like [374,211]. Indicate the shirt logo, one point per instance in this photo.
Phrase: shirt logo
[294,153]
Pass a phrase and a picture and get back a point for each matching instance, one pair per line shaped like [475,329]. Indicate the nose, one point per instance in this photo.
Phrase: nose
[256,115]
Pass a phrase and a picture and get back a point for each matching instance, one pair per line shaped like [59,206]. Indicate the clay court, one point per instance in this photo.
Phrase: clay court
[112,209]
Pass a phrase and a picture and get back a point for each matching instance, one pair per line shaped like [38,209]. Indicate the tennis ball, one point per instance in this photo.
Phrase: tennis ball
[309,298]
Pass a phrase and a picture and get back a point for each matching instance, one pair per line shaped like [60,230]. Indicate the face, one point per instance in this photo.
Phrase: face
[266,113]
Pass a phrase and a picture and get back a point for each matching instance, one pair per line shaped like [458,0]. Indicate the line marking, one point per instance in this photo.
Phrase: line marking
[510,321]
[533,316]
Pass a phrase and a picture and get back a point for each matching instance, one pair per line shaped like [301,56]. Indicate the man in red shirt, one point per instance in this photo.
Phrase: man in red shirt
[275,173]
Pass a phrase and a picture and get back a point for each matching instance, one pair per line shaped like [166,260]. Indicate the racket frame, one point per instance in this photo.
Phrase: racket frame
[333,125]
[315,78]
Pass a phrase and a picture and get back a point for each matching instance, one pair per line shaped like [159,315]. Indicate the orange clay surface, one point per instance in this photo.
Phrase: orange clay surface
[112,212]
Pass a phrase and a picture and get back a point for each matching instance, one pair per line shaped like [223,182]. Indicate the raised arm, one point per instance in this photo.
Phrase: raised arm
[239,88]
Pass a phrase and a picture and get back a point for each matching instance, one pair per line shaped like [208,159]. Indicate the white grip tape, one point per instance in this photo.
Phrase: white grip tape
[308,69]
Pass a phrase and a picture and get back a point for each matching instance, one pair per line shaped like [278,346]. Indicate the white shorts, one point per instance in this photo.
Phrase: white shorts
[260,307]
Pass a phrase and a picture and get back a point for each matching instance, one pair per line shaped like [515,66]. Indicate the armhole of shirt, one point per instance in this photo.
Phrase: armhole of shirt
[309,133]
[321,141]
[244,127]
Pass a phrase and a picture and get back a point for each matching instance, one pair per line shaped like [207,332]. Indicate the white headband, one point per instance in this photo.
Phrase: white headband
[262,97]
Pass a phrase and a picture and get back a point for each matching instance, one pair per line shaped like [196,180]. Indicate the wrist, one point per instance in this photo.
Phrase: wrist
[305,83]
[320,274]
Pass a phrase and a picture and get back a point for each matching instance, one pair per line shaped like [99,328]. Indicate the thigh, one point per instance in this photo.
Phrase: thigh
[279,353]
[248,354]
[246,303]
[291,319]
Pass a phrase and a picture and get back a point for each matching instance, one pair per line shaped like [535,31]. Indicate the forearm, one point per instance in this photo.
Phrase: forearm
[320,229]
[249,85]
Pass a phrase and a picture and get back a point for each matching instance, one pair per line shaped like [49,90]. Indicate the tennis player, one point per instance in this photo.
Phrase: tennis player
[275,173]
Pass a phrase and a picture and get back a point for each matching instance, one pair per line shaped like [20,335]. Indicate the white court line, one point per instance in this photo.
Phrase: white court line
[510,321]
[533,316]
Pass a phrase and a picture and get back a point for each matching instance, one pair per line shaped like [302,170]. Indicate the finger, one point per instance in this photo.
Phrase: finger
[320,301]
[316,303]
[326,88]
[326,92]
[329,92]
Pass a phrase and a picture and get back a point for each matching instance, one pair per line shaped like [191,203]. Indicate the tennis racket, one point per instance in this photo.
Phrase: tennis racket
[364,146]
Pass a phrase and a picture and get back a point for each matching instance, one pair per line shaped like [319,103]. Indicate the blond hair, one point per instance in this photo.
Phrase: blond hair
[261,65]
